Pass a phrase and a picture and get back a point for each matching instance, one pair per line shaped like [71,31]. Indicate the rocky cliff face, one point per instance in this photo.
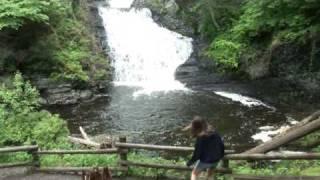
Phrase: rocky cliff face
[287,63]
[66,93]
[198,69]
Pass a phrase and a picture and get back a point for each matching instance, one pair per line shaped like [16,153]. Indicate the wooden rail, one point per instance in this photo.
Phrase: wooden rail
[280,156]
[32,149]
[175,167]
[18,149]
[160,148]
[97,151]
[74,169]
[122,148]
[17,164]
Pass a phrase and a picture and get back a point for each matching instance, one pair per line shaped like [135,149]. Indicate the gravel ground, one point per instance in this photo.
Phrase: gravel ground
[22,174]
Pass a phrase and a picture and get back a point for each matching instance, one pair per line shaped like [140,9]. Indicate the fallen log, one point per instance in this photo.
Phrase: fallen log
[84,134]
[88,142]
[305,127]
[84,142]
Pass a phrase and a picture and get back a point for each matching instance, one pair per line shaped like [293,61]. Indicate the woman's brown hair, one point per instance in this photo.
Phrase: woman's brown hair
[199,126]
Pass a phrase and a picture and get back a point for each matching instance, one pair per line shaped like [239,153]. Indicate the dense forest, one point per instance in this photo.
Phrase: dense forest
[51,38]
[54,39]
[280,37]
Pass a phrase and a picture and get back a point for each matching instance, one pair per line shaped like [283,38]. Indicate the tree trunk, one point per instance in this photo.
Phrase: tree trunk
[305,127]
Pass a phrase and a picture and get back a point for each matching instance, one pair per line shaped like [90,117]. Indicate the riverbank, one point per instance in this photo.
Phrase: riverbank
[61,54]
[285,70]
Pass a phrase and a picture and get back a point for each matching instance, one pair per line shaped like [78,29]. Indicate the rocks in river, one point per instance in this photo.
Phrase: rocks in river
[165,12]
[62,93]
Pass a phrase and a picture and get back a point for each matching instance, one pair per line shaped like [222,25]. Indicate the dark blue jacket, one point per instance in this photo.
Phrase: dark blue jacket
[208,149]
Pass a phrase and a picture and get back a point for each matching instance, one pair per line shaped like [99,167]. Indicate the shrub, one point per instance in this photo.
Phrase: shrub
[22,122]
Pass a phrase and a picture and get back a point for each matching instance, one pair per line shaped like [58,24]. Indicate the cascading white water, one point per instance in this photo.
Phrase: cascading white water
[120,3]
[144,54]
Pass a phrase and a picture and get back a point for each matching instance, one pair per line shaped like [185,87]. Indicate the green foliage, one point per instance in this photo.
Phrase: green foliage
[112,161]
[16,13]
[226,52]
[21,122]
[50,38]
[288,167]
[215,15]
[20,98]
[79,160]
[262,22]
[50,132]
[15,157]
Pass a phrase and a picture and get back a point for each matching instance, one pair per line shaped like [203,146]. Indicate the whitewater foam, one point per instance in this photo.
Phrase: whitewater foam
[244,100]
[144,54]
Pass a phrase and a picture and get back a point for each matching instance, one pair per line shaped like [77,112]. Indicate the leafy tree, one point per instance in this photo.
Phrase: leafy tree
[49,37]
[264,22]
[216,15]
[16,13]
[21,121]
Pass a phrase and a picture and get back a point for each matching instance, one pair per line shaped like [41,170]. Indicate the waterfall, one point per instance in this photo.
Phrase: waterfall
[143,54]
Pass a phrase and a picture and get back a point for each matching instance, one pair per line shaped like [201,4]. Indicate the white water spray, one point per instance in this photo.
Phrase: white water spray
[144,54]
[246,101]
[120,3]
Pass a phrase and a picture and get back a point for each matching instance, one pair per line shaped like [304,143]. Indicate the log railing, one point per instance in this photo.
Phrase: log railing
[32,150]
[122,148]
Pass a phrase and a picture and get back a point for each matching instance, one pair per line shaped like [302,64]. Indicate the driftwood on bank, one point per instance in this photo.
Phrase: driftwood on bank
[305,127]
[85,140]
[84,134]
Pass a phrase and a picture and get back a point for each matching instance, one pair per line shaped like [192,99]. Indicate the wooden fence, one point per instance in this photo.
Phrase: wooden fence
[122,148]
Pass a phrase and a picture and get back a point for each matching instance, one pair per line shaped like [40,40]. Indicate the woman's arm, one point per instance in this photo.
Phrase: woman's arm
[196,153]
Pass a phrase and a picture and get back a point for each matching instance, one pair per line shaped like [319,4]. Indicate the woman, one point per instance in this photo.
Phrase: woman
[209,148]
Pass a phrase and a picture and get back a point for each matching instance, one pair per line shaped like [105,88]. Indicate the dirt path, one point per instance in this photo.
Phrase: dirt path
[22,174]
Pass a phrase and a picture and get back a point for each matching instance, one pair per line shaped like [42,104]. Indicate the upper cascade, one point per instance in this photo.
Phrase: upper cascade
[143,53]
[120,3]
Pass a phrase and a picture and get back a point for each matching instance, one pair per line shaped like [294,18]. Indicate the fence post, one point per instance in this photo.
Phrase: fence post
[225,163]
[123,152]
[35,156]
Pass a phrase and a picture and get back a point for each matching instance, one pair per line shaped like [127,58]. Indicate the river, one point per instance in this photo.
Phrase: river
[148,105]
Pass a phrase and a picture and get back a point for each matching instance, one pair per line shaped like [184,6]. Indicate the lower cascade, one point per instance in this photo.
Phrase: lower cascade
[144,54]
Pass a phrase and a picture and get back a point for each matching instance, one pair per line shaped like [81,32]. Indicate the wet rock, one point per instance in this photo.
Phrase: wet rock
[171,7]
[63,98]
[86,94]
[61,93]
[260,68]
[165,13]
[63,88]
[186,70]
